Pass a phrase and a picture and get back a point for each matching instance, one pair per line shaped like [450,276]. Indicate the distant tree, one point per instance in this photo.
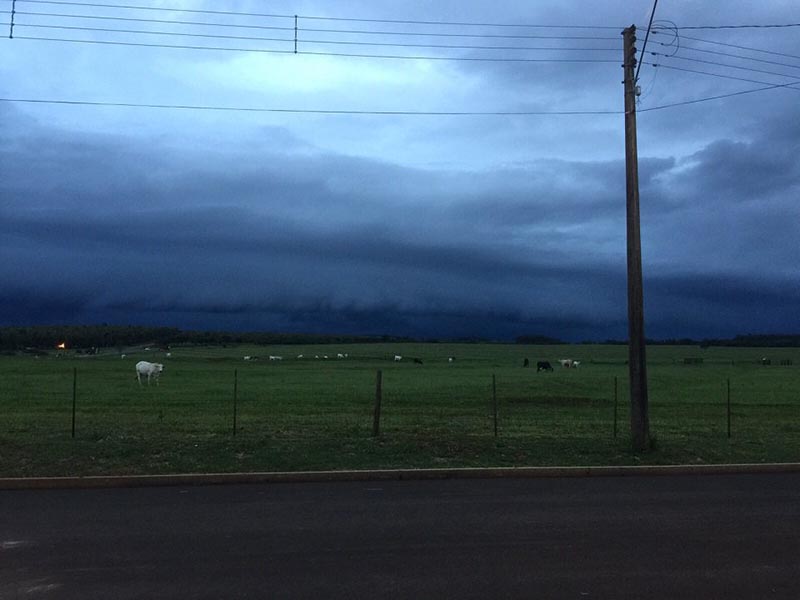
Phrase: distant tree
[541,340]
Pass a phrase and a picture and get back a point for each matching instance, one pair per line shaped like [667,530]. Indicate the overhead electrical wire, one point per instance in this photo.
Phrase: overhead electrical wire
[317,30]
[718,97]
[765,26]
[656,30]
[314,41]
[315,111]
[165,33]
[665,66]
[388,112]
[737,56]
[315,17]
[159,21]
[729,45]
[728,66]
[313,53]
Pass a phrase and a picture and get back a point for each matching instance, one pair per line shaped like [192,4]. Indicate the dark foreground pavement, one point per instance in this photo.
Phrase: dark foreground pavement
[727,536]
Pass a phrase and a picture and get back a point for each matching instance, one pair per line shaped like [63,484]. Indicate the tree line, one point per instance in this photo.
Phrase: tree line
[86,337]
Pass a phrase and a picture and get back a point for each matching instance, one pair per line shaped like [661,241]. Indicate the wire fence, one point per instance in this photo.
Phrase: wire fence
[360,401]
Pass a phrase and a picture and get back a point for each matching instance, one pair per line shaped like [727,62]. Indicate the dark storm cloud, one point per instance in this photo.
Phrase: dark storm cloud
[729,207]
[124,229]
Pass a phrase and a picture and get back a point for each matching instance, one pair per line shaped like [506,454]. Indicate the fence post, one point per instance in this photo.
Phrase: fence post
[235,394]
[615,407]
[376,422]
[729,407]
[74,397]
[494,402]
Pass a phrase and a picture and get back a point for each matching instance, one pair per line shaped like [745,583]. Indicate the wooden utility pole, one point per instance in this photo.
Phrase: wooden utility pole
[637,364]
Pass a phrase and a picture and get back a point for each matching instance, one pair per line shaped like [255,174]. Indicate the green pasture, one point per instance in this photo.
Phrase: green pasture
[307,413]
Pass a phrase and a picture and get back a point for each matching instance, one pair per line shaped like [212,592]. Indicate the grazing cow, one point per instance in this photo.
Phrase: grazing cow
[526,362]
[248,357]
[152,370]
[273,358]
[299,356]
[417,361]
[566,362]
[575,364]
[397,358]
[451,359]
[121,356]
[543,365]
[340,355]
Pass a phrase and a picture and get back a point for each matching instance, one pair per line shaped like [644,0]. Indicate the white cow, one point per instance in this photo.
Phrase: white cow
[566,362]
[121,356]
[276,358]
[397,358]
[450,359]
[575,364]
[152,370]
[340,355]
[299,356]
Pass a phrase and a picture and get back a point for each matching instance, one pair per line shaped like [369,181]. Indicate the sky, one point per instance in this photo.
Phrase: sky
[398,215]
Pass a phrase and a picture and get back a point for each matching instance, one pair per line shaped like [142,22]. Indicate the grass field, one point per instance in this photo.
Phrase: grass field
[309,413]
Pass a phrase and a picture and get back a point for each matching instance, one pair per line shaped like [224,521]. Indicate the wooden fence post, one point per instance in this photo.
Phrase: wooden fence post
[494,402]
[615,407]
[235,395]
[376,422]
[74,397]
[729,407]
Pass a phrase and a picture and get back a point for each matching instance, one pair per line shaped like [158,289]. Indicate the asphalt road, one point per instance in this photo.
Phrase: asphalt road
[726,536]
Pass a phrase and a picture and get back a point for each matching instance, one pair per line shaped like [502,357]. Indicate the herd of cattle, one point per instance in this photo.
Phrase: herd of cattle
[543,365]
[153,370]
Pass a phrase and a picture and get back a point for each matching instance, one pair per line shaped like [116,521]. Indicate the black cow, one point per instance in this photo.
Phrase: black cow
[417,361]
[526,363]
[543,365]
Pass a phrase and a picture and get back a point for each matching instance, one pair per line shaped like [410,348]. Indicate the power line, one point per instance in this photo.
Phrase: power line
[166,33]
[315,111]
[160,21]
[316,30]
[139,44]
[694,39]
[739,56]
[766,26]
[313,41]
[699,100]
[718,64]
[646,37]
[310,53]
[319,18]
[157,8]
[787,86]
